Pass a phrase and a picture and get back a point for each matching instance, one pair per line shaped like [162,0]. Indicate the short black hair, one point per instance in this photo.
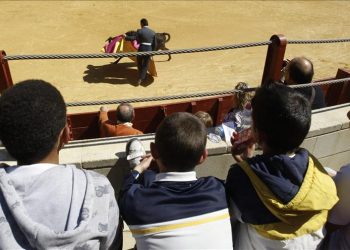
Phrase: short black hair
[180,141]
[283,115]
[32,115]
[144,22]
[125,112]
[301,70]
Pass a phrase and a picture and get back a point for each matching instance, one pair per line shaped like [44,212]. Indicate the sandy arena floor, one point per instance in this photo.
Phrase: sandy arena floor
[50,27]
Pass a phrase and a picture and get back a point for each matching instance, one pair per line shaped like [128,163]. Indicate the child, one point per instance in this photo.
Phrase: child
[173,209]
[242,99]
[205,118]
[283,196]
[44,205]
[208,122]
[239,116]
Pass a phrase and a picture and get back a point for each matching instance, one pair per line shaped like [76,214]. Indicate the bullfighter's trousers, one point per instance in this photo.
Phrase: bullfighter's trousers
[143,61]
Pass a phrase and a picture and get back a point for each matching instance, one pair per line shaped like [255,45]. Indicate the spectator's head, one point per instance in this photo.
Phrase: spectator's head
[281,118]
[299,70]
[125,113]
[243,98]
[180,143]
[143,22]
[205,118]
[32,121]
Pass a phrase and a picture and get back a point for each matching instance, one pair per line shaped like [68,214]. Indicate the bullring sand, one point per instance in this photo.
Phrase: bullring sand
[60,27]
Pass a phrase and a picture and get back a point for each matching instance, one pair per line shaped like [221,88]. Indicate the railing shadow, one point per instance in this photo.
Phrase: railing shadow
[114,73]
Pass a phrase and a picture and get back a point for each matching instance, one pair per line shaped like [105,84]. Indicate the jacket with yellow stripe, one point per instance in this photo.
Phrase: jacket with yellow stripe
[175,210]
[280,198]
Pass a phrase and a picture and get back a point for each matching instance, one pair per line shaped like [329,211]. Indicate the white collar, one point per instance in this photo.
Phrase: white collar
[176,176]
[128,124]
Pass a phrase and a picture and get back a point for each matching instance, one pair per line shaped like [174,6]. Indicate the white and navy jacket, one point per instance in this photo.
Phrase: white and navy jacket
[176,211]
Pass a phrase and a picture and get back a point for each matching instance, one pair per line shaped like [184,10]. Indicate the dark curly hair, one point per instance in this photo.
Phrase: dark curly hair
[32,115]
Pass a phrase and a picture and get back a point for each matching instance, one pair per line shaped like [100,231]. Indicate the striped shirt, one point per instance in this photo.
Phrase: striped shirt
[176,211]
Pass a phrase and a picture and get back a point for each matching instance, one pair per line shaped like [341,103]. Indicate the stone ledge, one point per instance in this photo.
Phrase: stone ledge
[328,120]
[103,152]
[329,134]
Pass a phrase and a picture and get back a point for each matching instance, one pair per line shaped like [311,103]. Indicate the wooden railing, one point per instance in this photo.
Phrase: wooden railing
[85,125]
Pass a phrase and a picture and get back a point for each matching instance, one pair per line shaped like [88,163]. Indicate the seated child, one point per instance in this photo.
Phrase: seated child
[283,196]
[242,99]
[205,118]
[45,205]
[173,209]
[239,117]
[208,122]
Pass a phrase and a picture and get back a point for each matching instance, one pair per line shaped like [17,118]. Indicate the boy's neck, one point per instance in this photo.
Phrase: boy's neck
[175,171]
[54,159]
[163,169]
[51,158]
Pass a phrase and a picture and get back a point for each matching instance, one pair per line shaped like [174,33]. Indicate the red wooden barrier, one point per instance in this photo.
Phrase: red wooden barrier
[147,119]
[339,93]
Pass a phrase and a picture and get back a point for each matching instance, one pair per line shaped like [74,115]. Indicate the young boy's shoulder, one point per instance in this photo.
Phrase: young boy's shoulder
[79,173]
[172,192]
[211,179]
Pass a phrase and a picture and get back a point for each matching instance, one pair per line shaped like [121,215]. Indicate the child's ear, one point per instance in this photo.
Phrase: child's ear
[64,136]
[259,137]
[204,156]
[256,135]
[154,151]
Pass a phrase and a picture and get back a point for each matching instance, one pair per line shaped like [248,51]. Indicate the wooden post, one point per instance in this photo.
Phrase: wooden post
[339,93]
[5,74]
[219,110]
[194,107]
[274,59]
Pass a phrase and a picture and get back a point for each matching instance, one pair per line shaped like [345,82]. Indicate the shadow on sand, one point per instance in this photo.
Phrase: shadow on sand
[121,73]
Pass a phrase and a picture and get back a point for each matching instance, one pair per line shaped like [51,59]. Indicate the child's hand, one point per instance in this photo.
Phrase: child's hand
[243,150]
[144,164]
